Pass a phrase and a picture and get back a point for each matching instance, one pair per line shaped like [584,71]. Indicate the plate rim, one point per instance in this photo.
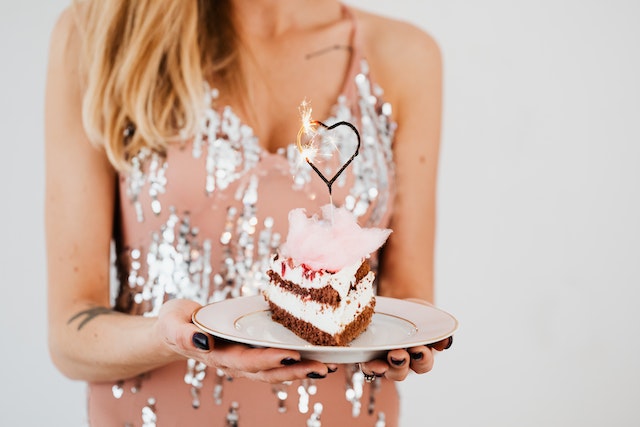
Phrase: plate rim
[380,300]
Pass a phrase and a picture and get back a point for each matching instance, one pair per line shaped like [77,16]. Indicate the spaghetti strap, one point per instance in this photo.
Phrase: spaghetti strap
[354,48]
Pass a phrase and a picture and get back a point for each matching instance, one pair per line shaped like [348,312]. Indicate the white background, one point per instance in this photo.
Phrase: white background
[538,216]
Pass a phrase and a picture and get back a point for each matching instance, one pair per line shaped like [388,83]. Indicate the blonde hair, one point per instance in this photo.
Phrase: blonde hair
[145,63]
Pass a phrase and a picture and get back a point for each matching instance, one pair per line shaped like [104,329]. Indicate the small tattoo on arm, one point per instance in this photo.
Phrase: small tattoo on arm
[89,314]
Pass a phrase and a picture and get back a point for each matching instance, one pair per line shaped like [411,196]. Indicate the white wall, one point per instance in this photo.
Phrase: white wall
[32,392]
[538,231]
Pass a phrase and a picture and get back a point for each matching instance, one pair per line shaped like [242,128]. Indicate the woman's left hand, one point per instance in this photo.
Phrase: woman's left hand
[400,362]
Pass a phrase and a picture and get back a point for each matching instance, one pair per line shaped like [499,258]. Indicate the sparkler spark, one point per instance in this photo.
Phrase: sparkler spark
[332,142]
[308,151]
[308,129]
[308,125]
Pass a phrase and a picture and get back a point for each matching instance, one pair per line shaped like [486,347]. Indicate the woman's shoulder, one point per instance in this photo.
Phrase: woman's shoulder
[65,26]
[66,33]
[388,32]
[395,48]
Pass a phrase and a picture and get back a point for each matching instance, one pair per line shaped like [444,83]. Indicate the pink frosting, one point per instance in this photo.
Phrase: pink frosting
[325,245]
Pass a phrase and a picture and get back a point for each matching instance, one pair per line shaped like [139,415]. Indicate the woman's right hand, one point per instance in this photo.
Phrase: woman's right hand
[179,336]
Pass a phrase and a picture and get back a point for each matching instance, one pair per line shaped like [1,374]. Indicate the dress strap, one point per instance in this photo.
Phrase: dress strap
[355,51]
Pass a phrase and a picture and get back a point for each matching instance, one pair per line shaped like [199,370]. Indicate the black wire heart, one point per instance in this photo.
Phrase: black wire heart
[330,182]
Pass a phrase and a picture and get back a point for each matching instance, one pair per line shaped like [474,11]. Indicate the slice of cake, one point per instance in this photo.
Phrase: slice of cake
[321,287]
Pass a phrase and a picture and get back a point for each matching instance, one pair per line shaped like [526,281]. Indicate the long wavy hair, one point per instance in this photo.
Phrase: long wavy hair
[145,63]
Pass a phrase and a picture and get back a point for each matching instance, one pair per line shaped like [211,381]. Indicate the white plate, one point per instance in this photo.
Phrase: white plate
[396,324]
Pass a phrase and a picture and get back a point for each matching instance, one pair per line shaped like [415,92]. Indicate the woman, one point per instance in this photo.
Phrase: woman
[191,196]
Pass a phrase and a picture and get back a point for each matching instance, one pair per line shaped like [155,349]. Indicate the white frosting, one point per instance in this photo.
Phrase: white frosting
[327,318]
[341,280]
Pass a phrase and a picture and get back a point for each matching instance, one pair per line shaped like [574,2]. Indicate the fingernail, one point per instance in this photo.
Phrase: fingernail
[416,356]
[449,343]
[331,371]
[378,375]
[398,362]
[200,341]
[315,375]
[289,361]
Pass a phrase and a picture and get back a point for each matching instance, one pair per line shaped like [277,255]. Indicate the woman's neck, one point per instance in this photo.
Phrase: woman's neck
[275,18]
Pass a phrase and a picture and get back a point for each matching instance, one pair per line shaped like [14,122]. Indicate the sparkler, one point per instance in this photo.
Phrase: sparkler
[308,150]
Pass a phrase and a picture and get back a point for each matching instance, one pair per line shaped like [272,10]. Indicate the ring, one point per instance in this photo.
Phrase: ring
[369,377]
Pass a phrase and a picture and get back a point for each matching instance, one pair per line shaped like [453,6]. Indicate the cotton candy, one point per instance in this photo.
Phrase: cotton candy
[330,243]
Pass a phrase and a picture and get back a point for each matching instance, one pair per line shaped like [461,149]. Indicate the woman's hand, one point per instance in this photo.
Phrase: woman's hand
[400,362]
[270,365]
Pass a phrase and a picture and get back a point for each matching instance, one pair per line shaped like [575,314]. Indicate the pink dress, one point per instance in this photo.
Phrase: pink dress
[202,222]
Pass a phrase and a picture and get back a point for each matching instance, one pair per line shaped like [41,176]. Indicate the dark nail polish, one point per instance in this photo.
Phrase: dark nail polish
[449,343]
[200,341]
[398,362]
[289,361]
[416,356]
[331,371]
[315,375]
[377,375]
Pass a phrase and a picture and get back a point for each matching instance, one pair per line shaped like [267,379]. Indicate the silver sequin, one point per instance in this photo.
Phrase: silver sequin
[354,388]
[314,419]
[231,147]
[196,371]
[233,416]
[282,393]
[149,417]
[218,388]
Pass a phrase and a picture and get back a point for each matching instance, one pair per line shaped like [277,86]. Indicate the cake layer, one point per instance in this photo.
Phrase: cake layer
[307,278]
[316,336]
[326,295]
[328,318]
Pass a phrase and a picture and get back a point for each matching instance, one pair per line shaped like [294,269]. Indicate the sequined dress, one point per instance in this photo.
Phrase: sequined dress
[201,223]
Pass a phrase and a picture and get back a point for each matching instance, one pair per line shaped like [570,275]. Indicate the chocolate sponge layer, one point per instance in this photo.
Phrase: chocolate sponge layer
[315,336]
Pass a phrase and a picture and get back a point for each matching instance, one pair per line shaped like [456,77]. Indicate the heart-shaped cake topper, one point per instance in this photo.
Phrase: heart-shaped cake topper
[309,128]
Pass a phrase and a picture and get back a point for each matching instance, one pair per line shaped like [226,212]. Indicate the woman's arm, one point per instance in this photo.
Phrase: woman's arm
[407,64]
[87,339]
[415,83]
